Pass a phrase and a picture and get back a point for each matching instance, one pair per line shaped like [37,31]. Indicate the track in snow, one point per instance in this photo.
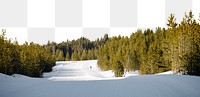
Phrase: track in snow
[78,70]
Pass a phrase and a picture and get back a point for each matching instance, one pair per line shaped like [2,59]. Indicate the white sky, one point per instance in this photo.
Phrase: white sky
[62,34]
[18,33]
[41,13]
[95,14]
[151,13]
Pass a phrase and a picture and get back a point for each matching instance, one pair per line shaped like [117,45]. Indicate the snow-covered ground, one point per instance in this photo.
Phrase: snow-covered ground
[78,79]
[81,70]
[78,70]
[163,73]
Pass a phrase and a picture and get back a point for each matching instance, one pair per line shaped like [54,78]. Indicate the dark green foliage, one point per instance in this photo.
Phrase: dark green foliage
[67,58]
[176,48]
[75,56]
[59,55]
[118,69]
[33,59]
[80,49]
[28,59]
[193,65]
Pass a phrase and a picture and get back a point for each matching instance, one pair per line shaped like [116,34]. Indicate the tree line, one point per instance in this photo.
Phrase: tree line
[27,59]
[175,48]
[32,59]
[80,49]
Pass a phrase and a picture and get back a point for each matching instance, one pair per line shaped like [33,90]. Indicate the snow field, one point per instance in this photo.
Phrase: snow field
[78,70]
[77,79]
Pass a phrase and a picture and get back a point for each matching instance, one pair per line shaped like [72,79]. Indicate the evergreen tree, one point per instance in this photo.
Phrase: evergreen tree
[67,58]
[84,55]
[75,56]
[59,55]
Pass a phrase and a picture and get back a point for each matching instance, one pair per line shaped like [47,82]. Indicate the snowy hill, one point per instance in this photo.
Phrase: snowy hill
[83,81]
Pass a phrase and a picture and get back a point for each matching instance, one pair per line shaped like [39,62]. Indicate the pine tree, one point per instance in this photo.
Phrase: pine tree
[75,56]
[90,54]
[30,60]
[84,55]
[59,55]
[67,58]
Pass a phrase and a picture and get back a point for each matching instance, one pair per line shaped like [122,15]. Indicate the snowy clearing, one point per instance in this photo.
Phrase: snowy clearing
[80,70]
[95,83]
[77,70]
